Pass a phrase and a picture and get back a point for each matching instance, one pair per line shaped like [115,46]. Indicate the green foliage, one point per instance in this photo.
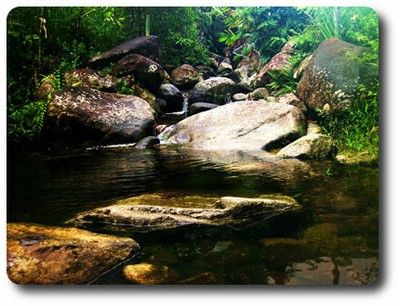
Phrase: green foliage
[283,82]
[357,25]
[123,88]
[178,30]
[265,29]
[26,123]
[51,40]
[355,130]
[358,129]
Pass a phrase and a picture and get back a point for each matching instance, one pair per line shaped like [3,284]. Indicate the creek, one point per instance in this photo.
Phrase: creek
[335,240]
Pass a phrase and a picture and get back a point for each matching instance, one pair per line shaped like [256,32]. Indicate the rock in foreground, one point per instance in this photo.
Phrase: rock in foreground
[244,125]
[233,212]
[44,255]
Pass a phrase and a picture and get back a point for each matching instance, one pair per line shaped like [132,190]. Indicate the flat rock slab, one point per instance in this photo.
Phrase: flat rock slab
[45,255]
[232,212]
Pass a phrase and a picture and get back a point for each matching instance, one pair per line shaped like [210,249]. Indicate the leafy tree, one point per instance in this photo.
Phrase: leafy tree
[265,29]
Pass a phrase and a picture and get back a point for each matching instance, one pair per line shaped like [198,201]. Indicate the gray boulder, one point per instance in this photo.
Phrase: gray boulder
[331,79]
[146,45]
[312,146]
[218,90]
[83,116]
[260,93]
[243,125]
[45,255]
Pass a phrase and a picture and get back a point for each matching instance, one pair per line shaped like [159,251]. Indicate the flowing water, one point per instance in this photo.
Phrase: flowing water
[335,240]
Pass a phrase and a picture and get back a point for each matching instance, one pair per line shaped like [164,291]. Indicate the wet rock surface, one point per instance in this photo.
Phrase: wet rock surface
[38,254]
[227,212]
[149,274]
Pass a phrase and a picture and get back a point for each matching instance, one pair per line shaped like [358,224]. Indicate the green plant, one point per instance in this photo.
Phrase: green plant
[283,82]
[26,123]
[266,29]
[357,129]
[123,88]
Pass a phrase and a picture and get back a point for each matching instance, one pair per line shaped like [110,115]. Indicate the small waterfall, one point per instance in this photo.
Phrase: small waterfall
[185,103]
[185,106]
[172,118]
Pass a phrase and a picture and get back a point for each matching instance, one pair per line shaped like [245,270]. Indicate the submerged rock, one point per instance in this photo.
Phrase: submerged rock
[243,125]
[234,213]
[204,278]
[38,254]
[364,158]
[149,274]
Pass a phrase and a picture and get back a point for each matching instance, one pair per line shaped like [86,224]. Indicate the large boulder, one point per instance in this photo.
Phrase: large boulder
[185,77]
[38,254]
[83,116]
[145,70]
[243,125]
[332,78]
[217,90]
[278,64]
[146,45]
[138,214]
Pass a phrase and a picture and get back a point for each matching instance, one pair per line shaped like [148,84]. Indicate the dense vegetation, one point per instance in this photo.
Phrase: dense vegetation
[50,40]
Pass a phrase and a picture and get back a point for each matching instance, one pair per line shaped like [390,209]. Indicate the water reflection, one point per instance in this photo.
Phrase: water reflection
[336,241]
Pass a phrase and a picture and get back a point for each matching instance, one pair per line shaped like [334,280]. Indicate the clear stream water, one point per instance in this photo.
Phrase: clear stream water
[335,240]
